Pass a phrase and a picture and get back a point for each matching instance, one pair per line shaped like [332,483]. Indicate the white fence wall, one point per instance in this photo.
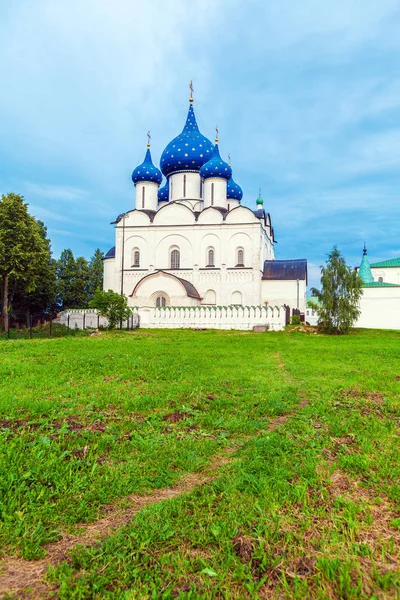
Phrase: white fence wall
[189,317]
[213,317]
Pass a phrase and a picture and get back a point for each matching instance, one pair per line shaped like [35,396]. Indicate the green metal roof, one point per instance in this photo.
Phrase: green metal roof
[365,270]
[393,262]
[379,284]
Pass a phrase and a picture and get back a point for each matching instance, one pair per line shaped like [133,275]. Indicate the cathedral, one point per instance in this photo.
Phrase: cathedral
[191,242]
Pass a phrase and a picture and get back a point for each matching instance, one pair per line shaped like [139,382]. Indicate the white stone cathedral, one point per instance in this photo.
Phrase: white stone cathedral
[191,241]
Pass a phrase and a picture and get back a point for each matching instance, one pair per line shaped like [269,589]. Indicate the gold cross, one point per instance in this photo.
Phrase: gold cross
[148,139]
[216,134]
[229,159]
[191,91]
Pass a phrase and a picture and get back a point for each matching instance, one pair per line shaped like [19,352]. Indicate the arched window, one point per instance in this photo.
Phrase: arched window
[237,298]
[175,259]
[143,195]
[161,301]
[135,257]
[210,257]
[212,194]
[210,297]
[380,279]
[240,257]
[184,186]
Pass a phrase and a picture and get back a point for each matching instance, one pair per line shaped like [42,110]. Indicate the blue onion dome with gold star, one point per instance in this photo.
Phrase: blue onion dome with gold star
[188,151]
[147,171]
[163,193]
[233,190]
[216,167]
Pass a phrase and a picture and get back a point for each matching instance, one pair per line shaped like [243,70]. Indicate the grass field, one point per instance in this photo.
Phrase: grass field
[200,464]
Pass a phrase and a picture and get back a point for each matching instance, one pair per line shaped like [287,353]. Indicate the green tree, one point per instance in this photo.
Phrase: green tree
[23,251]
[65,275]
[43,297]
[339,297]
[95,272]
[111,305]
[80,283]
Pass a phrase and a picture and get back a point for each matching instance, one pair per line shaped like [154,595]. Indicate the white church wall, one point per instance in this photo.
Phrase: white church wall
[380,308]
[240,241]
[388,274]
[231,204]
[210,216]
[209,241]
[214,192]
[184,185]
[241,214]
[161,284]
[164,244]
[278,292]
[176,213]
[133,243]
[146,195]
[168,230]
[108,273]
[135,218]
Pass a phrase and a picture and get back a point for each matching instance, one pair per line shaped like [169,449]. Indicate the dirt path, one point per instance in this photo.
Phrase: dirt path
[25,578]
[18,574]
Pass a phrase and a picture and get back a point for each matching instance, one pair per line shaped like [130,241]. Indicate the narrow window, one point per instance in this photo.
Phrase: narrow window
[136,258]
[229,207]
[212,194]
[161,301]
[210,258]
[170,192]
[184,186]
[380,279]
[240,257]
[175,259]
[143,196]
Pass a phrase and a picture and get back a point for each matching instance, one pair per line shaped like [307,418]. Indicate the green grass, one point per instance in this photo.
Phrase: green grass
[308,510]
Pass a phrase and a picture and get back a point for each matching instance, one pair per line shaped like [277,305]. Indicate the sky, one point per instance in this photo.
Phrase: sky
[306,96]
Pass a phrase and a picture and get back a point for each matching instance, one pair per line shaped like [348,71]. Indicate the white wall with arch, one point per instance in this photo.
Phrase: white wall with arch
[172,242]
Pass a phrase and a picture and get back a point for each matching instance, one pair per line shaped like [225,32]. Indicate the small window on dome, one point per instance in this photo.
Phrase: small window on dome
[210,257]
[135,258]
[240,257]
[175,259]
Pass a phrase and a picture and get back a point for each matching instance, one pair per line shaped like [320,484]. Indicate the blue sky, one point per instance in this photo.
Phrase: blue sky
[306,95]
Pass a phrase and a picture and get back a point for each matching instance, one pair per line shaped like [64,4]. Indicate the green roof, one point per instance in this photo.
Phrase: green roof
[313,300]
[393,262]
[365,269]
[379,284]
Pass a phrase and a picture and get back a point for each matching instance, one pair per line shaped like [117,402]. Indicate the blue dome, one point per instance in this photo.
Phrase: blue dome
[234,191]
[188,151]
[216,167]
[147,171]
[163,193]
